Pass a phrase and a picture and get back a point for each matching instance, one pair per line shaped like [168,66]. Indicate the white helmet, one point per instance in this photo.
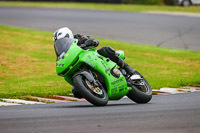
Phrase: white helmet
[62,33]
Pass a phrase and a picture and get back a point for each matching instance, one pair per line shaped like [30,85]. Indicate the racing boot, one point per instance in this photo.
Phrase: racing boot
[129,70]
[111,54]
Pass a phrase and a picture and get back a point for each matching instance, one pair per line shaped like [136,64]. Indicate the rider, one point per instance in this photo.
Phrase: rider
[86,42]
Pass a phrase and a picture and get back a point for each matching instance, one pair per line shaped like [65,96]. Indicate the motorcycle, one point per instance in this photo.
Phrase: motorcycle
[97,78]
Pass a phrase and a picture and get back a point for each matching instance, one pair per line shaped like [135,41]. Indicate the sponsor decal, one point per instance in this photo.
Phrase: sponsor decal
[88,63]
[122,86]
[117,81]
[103,64]
[62,55]
[89,57]
[114,90]
[106,69]
[121,89]
[67,54]
[59,64]
[117,89]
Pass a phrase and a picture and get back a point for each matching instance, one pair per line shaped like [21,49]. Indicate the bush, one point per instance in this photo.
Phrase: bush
[168,2]
[147,2]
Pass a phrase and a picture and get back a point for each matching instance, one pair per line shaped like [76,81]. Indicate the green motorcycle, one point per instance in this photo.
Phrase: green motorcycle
[97,78]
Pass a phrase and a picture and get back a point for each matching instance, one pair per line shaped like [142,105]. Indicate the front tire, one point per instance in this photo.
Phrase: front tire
[140,93]
[85,89]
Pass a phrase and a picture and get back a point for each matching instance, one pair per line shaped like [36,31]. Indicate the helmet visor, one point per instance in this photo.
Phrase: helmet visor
[62,45]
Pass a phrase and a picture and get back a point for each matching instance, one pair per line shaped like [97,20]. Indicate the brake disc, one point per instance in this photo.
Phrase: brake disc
[96,90]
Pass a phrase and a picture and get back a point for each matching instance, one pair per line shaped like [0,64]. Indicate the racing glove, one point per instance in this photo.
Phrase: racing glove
[91,43]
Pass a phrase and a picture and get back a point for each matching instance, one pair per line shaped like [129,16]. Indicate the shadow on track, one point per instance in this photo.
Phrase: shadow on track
[92,106]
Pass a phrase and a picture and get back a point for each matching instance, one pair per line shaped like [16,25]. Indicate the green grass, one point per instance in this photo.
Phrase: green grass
[114,7]
[28,62]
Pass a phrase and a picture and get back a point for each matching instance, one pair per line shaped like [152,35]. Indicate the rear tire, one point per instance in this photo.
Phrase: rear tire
[139,94]
[80,83]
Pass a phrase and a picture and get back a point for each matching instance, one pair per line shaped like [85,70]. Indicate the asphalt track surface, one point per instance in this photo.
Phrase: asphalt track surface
[161,30]
[164,114]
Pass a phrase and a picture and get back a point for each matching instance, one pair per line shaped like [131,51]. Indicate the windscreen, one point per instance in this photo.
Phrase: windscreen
[62,45]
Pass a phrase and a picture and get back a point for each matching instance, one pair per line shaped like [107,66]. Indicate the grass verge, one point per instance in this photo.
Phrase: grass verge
[27,64]
[98,6]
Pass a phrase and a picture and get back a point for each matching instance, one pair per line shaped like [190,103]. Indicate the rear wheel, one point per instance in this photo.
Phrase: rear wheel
[93,94]
[141,90]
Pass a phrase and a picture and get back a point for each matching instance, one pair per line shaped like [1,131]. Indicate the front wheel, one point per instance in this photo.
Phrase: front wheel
[95,95]
[141,90]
